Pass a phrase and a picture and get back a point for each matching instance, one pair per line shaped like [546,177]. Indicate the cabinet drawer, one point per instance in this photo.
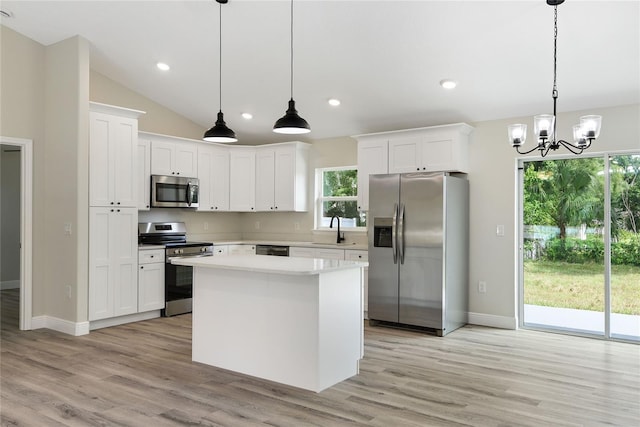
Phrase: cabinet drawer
[150,256]
[220,250]
[295,251]
[329,254]
[356,255]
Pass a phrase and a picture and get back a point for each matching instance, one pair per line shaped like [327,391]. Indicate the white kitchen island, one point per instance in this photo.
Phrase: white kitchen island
[296,321]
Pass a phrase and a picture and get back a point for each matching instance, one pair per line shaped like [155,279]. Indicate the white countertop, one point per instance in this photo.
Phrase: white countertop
[349,246]
[271,264]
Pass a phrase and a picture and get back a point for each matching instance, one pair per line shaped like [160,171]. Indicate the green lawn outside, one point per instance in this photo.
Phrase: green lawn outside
[581,286]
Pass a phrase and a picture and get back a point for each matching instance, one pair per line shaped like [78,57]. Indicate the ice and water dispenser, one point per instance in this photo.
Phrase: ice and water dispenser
[382,232]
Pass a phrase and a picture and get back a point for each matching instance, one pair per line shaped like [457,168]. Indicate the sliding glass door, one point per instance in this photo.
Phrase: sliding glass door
[580,246]
[625,246]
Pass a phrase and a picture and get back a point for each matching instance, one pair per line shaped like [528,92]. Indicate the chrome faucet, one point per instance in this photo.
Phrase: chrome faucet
[340,238]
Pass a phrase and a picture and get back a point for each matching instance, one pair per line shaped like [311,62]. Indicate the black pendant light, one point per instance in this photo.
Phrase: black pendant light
[291,122]
[220,132]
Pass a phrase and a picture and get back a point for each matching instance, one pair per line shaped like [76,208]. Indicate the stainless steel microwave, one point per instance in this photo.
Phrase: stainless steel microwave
[174,192]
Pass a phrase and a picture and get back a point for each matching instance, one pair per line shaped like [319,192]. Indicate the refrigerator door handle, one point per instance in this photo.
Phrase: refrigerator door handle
[394,233]
[401,234]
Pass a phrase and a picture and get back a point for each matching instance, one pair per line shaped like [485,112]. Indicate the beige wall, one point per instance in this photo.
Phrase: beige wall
[492,179]
[22,112]
[158,119]
[66,192]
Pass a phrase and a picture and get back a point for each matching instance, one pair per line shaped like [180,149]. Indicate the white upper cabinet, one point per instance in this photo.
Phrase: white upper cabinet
[281,177]
[235,178]
[174,156]
[213,173]
[265,178]
[434,149]
[242,179]
[372,159]
[113,163]
[143,174]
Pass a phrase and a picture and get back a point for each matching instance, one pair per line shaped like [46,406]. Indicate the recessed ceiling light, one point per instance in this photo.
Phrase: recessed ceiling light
[334,102]
[448,83]
[162,66]
[247,116]
[6,13]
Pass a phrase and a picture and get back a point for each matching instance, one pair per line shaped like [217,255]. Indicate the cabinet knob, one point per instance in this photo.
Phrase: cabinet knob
[252,208]
[118,203]
[117,210]
[271,208]
[173,173]
[417,169]
[111,210]
[424,169]
[276,207]
[177,173]
[141,267]
[150,256]
[111,203]
[147,206]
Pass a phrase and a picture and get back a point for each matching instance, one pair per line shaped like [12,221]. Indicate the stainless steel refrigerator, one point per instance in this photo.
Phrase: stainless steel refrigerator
[418,250]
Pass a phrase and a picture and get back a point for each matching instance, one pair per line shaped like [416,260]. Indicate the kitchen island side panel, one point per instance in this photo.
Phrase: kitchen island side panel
[277,327]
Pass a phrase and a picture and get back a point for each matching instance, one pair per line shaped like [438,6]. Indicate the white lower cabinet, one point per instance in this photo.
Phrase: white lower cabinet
[113,262]
[241,249]
[150,280]
[299,252]
[360,255]
[310,252]
[220,250]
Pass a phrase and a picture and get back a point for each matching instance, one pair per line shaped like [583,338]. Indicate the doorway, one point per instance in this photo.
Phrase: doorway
[16,251]
[580,245]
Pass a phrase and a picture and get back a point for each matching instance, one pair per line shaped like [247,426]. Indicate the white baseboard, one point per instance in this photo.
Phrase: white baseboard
[114,321]
[493,321]
[10,284]
[60,325]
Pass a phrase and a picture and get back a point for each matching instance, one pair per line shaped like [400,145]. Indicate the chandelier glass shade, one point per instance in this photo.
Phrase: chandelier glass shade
[544,125]
[220,132]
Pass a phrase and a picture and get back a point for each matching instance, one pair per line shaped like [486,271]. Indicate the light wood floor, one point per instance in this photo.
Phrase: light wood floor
[141,375]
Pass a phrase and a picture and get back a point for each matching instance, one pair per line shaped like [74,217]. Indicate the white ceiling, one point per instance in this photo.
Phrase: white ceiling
[382,59]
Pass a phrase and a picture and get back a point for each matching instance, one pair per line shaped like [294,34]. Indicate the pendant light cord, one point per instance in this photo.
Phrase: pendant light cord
[220,59]
[554,92]
[291,53]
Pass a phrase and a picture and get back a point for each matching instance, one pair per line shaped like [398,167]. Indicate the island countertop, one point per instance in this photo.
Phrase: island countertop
[271,264]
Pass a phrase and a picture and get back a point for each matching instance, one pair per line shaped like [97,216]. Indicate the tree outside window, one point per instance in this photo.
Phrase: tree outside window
[337,194]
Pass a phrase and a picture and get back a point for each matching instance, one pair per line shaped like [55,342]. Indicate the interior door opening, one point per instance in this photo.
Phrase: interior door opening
[16,192]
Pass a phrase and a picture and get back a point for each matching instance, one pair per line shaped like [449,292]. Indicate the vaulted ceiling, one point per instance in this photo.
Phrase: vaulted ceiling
[383,59]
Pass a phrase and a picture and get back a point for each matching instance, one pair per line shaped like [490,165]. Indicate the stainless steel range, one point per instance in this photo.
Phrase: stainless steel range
[178,279]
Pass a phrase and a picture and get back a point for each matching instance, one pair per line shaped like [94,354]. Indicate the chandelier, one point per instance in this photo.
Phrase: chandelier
[544,125]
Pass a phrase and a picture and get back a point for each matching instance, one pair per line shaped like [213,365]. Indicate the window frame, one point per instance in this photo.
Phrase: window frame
[320,199]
